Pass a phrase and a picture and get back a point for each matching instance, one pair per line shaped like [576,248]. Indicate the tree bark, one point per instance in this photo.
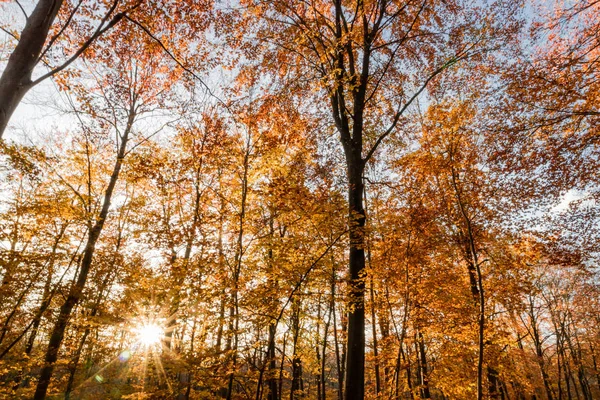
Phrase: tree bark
[423,369]
[16,78]
[473,259]
[355,363]
[94,311]
[234,313]
[297,383]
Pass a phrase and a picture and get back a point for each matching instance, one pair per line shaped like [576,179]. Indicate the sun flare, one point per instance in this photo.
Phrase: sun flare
[149,334]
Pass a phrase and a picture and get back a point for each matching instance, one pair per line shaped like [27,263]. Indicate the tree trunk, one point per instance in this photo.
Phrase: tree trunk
[297,384]
[355,364]
[538,350]
[338,358]
[234,309]
[473,259]
[323,395]
[16,78]
[596,370]
[272,365]
[76,290]
[422,364]
[105,284]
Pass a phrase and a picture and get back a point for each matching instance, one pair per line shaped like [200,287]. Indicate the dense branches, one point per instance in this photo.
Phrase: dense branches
[364,200]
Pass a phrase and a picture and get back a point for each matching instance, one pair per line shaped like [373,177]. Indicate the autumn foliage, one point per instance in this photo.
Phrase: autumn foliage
[308,199]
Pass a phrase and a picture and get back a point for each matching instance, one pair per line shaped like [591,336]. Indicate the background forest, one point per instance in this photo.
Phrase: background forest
[303,199]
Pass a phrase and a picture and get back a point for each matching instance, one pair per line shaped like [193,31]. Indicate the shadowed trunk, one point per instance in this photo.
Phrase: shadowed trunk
[355,363]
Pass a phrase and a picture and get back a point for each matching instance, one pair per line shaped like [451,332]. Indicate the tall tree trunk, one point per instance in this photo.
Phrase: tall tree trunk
[76,290]
[221,260]
[94,311]
[406,359]
[179,267]
[317,349]
[473,259]
[297,384]
[271,362]
[355,364]
[339,358]
[373,312]
[538,349]
[324,352]
[375,344]
[576,355]
[423,370]
[596,370]
[234,309]
[282,363]
[272,365]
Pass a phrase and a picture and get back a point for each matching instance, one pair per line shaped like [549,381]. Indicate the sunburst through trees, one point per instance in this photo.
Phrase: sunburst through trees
[304,200]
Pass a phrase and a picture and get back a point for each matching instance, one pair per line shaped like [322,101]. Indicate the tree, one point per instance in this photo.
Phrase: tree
[40,36]
[368,62]
[124,94]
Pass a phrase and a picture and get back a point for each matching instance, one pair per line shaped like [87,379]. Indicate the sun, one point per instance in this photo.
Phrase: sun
[149,334]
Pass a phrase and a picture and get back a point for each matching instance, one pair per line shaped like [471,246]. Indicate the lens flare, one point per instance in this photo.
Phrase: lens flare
[124,356]
[149,334]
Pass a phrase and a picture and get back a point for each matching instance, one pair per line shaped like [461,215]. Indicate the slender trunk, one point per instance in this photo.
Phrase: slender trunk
[75,363]
[324,352]
[273,284]
[190,373]
[423,371]
[576,355]
[538,349]
[559,374]
[272,365]
[476,265]
[180,270]
[339,362]
[234,309]
[409,384]
[384,328]
[494,384]
[373,319]
[560,355]
[567,372]
[317,349]
[297,384]
[282,363]
[375,343]
[221,268]
[105,284]
[596,370]
[76,290]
